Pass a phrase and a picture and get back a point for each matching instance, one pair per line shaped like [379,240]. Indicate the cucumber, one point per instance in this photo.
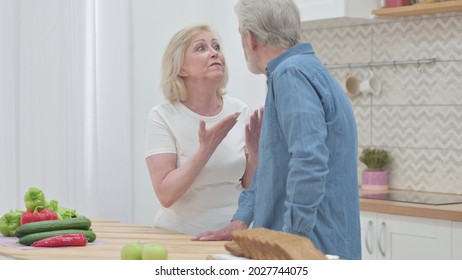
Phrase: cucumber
[43,226]
[31,238]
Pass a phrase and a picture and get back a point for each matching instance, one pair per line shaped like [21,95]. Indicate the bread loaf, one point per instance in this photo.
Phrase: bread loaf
[266,244]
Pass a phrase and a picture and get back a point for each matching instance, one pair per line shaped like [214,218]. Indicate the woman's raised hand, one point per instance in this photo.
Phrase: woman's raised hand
[210,138]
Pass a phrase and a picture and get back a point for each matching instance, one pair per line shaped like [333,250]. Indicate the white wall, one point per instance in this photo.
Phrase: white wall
[154,22]
[9,196]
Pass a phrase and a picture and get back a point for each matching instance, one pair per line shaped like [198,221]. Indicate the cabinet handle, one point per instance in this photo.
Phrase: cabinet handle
[366,238]
[379,239]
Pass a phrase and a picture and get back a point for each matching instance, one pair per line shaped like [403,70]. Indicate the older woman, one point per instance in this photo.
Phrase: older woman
[199,151]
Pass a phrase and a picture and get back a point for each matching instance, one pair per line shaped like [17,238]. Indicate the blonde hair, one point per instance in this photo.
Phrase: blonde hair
[173,86]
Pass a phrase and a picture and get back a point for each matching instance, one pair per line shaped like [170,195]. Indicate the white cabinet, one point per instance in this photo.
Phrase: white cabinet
[387,236]
[328,9]
[456,241]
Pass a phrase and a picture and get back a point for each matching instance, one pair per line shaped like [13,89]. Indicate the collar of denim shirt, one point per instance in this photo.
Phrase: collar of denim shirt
[300,48]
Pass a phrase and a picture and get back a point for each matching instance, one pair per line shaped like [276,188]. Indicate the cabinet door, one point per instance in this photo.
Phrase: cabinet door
[456,241]
[404,238]
[368,235]
[329,9]
[320,9]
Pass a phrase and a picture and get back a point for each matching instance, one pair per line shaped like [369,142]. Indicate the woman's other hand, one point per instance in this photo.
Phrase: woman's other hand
[221,234]
[252,132]
[252,139]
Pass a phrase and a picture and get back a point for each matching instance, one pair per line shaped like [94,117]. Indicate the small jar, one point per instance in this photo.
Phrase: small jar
[397,3]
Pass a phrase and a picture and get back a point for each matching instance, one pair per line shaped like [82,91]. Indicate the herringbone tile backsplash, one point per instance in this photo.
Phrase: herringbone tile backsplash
[418,115]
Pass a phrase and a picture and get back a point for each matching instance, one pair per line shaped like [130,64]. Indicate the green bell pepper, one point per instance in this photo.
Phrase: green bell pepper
[10,222]
[34,199]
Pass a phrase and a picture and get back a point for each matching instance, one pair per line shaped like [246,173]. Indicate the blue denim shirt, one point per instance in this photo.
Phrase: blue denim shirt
[306,181]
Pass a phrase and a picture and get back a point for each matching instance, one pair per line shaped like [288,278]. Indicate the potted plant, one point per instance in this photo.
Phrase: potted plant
[375,177]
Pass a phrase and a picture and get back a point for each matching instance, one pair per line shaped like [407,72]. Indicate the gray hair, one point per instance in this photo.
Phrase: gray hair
[173,86]
[275,23]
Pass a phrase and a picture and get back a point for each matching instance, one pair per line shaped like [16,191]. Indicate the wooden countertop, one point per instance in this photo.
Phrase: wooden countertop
[451,212]
[112,235]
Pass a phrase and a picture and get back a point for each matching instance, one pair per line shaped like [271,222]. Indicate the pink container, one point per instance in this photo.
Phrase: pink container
[397,3]
[375,180]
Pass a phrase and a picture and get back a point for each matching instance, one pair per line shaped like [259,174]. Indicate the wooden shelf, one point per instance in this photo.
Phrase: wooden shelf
[420,9]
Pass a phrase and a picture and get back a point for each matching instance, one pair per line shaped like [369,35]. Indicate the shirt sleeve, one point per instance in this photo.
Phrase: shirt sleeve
[301,117]
[159,137]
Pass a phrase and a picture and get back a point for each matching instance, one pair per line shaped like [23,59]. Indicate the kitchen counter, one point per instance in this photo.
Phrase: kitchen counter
[451,212]
[112,235]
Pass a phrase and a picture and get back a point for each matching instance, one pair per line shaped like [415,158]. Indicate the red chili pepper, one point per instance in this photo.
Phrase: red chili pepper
[68,239]
[43,215]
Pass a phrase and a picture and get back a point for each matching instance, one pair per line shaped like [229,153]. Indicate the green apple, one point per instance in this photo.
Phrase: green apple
[154,251]
[131,251]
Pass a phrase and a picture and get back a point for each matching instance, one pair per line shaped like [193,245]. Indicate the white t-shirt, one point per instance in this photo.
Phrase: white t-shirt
[212,199]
